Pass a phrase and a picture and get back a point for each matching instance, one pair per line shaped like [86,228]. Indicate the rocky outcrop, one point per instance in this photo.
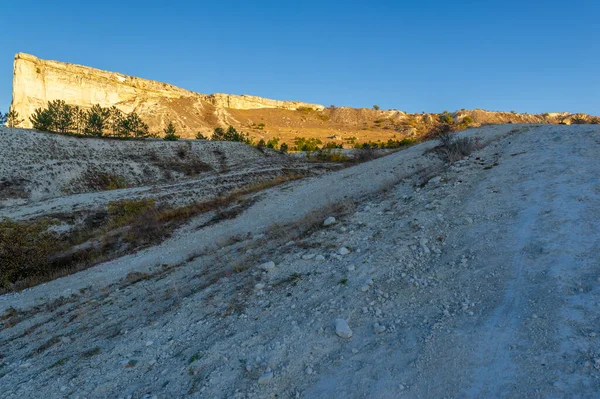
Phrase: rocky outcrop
[36,81]
[253,102]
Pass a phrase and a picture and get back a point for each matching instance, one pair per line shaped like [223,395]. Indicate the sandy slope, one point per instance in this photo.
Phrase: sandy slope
[487,284]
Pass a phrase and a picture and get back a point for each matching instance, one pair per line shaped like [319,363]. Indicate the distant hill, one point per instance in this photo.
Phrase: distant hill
[38,81]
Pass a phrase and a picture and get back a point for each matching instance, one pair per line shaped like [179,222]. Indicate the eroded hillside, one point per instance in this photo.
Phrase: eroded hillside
[36,81]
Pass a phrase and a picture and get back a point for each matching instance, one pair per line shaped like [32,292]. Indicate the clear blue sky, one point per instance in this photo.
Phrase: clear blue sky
[528,56]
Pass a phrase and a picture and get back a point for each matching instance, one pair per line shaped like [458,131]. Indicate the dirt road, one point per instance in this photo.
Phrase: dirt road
[484,282]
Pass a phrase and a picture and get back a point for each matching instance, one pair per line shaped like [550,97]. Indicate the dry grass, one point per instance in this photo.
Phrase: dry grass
[24,249]
[93,180]
[30,254]
[452,149]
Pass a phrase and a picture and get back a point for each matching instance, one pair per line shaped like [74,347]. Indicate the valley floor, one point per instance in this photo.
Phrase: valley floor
[477,279]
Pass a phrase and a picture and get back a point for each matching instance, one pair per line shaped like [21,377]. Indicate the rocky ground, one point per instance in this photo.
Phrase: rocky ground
[476,279]
[38,167]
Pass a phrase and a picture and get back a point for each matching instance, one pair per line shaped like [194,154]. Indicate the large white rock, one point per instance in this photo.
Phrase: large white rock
[329,221]
[342,329]
[268,266]
[266,377]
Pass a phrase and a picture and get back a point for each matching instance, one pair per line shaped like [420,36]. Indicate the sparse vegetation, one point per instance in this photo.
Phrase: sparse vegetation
[231,134]
[31,253]
[170,133]
[390,144]
[124,212]
[452,148]
[304,144]
[93,180]
[92,352]
[329,155]
[467,120]
[200,136]
[446,119]
[365,154]
[25,248]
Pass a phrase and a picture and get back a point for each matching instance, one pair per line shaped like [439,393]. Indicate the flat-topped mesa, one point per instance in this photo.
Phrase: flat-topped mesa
[37,81]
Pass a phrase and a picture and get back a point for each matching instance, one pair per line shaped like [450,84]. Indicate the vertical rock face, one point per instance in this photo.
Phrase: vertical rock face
[36,81]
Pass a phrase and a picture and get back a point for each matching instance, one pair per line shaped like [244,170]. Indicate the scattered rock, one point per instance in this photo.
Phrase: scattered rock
[308,256]
[344,251]
[259,286]
[266,377]
[329,221]
[268,266]
[378,328]
[436,179]
[319,258]
[342,329]
[423,242]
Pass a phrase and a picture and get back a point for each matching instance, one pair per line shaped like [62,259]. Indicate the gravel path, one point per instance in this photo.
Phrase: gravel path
[482,283]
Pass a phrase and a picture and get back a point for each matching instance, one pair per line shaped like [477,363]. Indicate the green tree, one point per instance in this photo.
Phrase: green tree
[231,134]
[261,143]
[304,144]
[115,121]
[376,107]
[12,118]
[200,136]
[41,119]
[63,116]
[170,133]
[218,134]
[79,120]
[133,125]
[467,120]
[3,118]
[284,147]
[273,143]
[97,120]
